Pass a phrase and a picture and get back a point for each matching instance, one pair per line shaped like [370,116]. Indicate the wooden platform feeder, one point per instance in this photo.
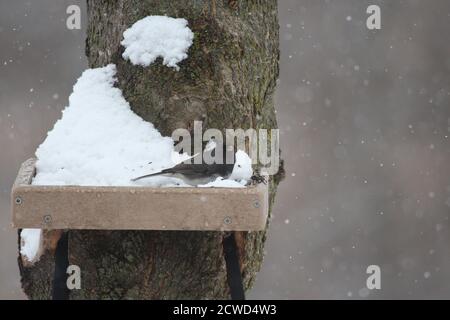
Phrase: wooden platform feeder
[136,208]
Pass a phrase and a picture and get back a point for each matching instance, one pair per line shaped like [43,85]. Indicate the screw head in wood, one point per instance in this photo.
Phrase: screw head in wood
[227,220]
[47,218]
[18,200]
[256,204]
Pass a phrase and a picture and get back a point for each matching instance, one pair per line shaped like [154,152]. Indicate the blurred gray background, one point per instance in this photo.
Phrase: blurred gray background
[365,122]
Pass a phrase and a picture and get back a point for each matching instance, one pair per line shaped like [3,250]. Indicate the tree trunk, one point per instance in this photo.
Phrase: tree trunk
[227,81]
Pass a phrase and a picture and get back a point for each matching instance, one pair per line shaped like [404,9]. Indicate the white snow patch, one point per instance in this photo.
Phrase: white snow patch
[30,243]
[224,183]
[157,36]
[242,169]
[100,141]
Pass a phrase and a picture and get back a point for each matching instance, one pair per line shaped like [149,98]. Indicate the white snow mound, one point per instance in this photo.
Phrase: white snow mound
[157,36]
[100,141]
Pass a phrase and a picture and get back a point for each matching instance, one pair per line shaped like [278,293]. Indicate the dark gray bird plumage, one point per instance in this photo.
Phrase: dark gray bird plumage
[195,174]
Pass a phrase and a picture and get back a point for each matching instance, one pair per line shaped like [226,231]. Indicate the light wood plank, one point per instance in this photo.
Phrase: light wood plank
[136,208]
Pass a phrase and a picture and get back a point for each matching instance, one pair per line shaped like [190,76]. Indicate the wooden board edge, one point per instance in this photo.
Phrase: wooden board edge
[27,172]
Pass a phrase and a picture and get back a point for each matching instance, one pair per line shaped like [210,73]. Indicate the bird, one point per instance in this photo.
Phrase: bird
[198,174]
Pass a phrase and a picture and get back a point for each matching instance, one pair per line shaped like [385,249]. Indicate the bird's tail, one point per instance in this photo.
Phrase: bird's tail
[148,175]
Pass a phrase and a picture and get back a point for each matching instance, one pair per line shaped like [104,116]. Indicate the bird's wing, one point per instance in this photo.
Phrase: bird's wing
[169,170]
[189,170]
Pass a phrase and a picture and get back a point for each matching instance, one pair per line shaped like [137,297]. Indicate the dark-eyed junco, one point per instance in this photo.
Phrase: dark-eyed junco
[196,174]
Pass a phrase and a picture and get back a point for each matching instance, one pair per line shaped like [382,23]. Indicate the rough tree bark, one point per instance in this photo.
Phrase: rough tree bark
[228,81]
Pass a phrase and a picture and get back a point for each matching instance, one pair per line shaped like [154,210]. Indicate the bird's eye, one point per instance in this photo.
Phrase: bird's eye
[239,166]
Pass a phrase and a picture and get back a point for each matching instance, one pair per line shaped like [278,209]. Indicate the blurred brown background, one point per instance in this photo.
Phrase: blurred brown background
[365,122]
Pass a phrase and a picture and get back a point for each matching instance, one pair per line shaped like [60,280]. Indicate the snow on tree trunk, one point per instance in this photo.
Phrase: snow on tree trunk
[228,81]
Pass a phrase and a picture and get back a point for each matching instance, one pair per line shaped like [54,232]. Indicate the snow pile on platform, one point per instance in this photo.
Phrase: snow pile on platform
[157,36]
[100,141]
